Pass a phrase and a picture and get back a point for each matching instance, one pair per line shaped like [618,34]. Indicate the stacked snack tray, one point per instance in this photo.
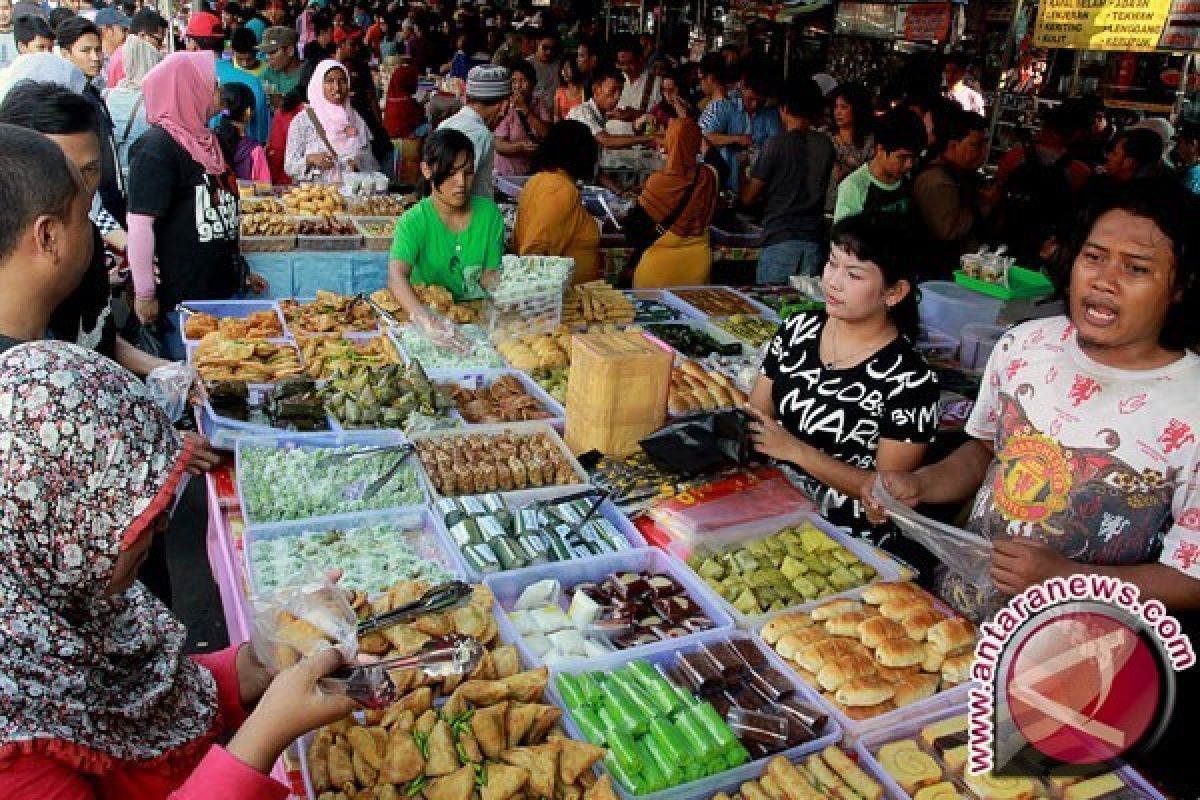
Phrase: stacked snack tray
[308,476]
[327,233]
[233,409]
[787,564]
[515,459]
[925,757]
[596,303]
[372,550]
[491,534]
[328,312]
[685,722]
[719,301]
[833,772]
[641,600]
[892,652]
[491,396]
[377,232]
[529,295]
[236,319]
[695,339]
[751,329]
[481,354]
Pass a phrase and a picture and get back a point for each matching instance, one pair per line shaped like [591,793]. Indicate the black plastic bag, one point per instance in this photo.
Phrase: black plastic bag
[701,443]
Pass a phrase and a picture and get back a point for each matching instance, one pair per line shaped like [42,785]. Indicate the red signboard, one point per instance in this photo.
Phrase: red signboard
[927,22]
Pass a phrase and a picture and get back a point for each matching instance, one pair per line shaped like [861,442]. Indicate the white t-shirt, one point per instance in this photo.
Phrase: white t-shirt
[631,97]
[1102,463]
[8,49]
[589,115]
[968,98]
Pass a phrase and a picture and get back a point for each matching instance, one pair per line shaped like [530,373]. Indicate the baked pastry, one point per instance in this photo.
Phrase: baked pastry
[939,791]
[793,642]
[872,632]
[992,787]
[917,687]
[944,734]
[775,629]
[835,673]
[903,652]
[835,607]
[880,593]
[808,677]
[910,766]
[952,635]
[957,669]
[900,607]
[956,758]
[933,658]
[845,624]
[917,625]
[862,783]
[865,691]
[896,674]
[1093,788]
[815,656]
[859,713]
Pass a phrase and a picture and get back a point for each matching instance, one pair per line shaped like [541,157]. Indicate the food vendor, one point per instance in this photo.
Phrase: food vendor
[329,137]
[843,393]
[451,238]
[551,219]
[99,699]
[1084,453]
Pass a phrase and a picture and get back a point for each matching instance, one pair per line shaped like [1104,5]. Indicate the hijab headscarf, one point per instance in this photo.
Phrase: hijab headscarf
[665,189]
[89,463]
[403,114]
[140,57]
[179,94]
[337,120]
[44,68]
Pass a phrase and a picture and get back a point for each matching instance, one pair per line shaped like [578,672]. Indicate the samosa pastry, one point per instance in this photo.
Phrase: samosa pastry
[528,686]
[488,726]
[318,761]
[468,748]
[385,791]
[402,593]
[375,644]
[363,743]
[570,793]
[575,758]
[364,773]
[518,721]
[442,757]
[397,716]
[504,781]
[486,670]
[405,639]
[434,624]
[548,717]
[542,763]
[403,761]
[470,620]
[506,660]
[455,706]
[601,790]
[341,765]
[417,701]
[483,599]
[484,693]
[425,723]
[458,785]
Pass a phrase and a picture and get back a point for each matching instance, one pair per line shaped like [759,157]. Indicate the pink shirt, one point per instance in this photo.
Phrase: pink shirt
[511,130]
[217,774]
[114,72]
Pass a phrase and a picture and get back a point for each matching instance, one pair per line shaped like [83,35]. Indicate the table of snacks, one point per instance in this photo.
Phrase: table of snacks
[631,633]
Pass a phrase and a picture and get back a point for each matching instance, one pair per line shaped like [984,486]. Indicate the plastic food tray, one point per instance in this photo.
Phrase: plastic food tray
[191,345]
[910,727]
[419,532]
[936,345]
[762,310]
[327,243]
[377,243]
[705,787]
[508,587]
[239,309]
[267,244]
[322,441]
[224,432]
[686,312]
[299,334]
[720,336]
[517,496]
[886,569]
[480,378]
[1023,284]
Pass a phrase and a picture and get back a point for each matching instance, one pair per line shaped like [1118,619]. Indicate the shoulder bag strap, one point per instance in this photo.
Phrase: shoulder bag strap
[320,129]
[646,90]
[137,105]
[673,217]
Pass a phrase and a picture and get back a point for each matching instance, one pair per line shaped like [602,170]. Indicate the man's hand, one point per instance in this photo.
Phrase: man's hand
[146,309]
[1018,564]
[257,283]
[904,486]
[203,458]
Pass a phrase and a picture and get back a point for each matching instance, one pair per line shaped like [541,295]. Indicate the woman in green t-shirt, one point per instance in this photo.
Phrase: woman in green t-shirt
[450,238]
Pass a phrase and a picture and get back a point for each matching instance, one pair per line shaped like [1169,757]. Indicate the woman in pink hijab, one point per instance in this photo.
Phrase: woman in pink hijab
[329,137]
[183,206]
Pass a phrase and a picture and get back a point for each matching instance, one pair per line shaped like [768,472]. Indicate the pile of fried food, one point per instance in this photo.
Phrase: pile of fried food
[493,739]
[314,199]
[382,205]
[434,297]
[267,225]
[260,205]
[219,358]
[330,312]
[694,388]
[506,400]
[466,464]
[258,325]
[326,354]
[596,302]
[830,773]
[325,225]
[542,350]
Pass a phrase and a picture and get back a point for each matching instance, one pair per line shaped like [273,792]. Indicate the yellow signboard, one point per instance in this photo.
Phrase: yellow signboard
[1100,24]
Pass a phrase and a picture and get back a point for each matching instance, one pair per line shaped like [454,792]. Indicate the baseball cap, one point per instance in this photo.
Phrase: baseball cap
[204,24]
[342,34]
[277,36]
[111,16]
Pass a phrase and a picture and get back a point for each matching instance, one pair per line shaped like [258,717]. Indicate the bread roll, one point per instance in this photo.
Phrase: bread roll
[837,672]
[933,658]
[914,688]
[845,624]
[862,783]
[952,635]
[902,652]
[866,691]
[880,593]
[775,629]
[814,657]
[875,630]
[859,713]
[795,641]
[917,625]
[895,674]
[957,669]
[900,607]
[835,607]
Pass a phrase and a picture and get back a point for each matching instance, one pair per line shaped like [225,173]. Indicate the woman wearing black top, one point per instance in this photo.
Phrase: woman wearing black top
[844,393]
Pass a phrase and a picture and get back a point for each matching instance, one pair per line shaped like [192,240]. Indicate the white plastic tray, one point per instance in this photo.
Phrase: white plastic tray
[476,379]
[763,310]
[239,309]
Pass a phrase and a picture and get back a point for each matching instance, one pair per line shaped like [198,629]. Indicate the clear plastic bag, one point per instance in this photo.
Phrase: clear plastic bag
[741,499]
[967,554]
[170,386]
[298,621]
[441,332]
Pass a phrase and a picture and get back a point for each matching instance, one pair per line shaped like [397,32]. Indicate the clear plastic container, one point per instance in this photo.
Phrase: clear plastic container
[508,587]
[938,346]
[728,780]
[237,309]
[267,244]
[758,307]
[416,529]
[977,343]
[328,243]
[481,378]
[947,307]
[719,336]
[885,568]
[685,311]
[376,242]
[223,432]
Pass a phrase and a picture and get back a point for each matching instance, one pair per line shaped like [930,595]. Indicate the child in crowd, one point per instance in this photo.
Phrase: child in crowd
[244,155]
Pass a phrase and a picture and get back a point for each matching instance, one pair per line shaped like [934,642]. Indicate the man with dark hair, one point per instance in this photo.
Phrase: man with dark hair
[545,64]
[205,33]
[954,69]
[881,185]
[33,34]
[284,69]
[641,91]
[737,124]
[244,45]
[792,177]
[114,27]
[58,16]
[149,26]
[606,92]
[946,192]
[322,45]
[1137,153]
[587,58]
[489,92]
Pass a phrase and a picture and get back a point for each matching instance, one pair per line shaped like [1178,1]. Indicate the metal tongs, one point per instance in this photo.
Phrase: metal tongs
[440,657]
[405,449]
[379,310]
[453,340]
[600,494]
[439,598]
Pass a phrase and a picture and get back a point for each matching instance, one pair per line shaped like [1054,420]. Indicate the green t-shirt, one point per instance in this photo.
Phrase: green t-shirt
[276,82]
[861,193]
[439,256]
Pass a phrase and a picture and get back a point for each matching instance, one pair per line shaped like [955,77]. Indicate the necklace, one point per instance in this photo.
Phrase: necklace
[846,360]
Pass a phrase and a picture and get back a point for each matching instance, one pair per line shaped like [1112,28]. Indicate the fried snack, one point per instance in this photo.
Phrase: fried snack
[538,351]
[437,298]
[506,400]
[542,763]
[259,205]
[504,781]
[218,358]
[197,326]
[383,205]
[467,464]
[327,224]
[716,302]
[313,199]
[596,303]
[694,388]
[267,224]
[459,785]
[328,313]
[328,354]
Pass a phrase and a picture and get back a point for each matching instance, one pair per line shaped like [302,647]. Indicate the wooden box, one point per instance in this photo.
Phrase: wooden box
[616,392]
